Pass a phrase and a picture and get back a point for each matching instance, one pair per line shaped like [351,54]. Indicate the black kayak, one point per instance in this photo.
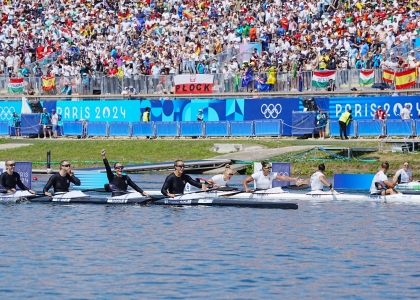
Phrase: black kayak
[191,199]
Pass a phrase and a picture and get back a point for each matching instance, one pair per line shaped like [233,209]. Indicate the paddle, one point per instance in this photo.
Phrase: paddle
[221,189]
[296,187]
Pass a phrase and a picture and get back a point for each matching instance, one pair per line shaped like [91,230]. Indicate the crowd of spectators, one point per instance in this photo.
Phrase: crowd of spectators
[127,39]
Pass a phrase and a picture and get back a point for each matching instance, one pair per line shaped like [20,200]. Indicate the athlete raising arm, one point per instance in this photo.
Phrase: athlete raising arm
[120,181]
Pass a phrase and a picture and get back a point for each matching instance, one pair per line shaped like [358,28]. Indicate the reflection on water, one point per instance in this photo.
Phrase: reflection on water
[322,250]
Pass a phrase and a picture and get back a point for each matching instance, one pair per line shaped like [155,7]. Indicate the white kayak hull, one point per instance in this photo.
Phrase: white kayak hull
[311,196]
[16,196]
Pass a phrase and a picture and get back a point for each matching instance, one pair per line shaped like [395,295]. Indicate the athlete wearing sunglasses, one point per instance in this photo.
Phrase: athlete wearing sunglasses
[119,181]
[264,178]
[175,182]
[221,179]
[61,180]
[10,179]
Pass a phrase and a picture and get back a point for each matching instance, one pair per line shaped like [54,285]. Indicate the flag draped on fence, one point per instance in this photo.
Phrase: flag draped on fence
[388,76]
[405,79]
[261,85]
[48,83]
[320,79]
[367,77]
[15,85]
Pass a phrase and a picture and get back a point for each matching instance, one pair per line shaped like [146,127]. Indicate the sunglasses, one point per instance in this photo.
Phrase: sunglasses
[66,165]
[230,174]
[268,168]
[119,167]
[181,166]
[11,165]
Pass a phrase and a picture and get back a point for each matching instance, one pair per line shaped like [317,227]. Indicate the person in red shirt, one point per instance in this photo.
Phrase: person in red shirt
[381,114]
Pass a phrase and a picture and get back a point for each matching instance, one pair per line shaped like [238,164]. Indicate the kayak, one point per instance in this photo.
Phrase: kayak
[16,196]
[411,188]
[190,199]
[277,194]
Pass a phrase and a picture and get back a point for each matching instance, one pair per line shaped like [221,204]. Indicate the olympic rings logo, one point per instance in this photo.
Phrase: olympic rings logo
[6,113]
[271,110]
[283,174]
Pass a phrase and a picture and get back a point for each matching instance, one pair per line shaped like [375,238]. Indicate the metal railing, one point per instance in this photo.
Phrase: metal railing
[346,80]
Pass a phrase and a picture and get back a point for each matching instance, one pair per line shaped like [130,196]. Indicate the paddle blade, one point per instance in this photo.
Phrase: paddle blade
[297,187]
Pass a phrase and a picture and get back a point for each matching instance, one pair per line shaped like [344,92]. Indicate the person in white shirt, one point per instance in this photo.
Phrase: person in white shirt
[264,178]
[221,179]
[405,113]
[403,175]
[380,183]
[318,180]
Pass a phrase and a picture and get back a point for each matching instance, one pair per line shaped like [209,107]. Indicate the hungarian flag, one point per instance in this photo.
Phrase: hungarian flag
[321,78]
[48,83]
[405,79]
[388,76]
[366,77]
[15,85]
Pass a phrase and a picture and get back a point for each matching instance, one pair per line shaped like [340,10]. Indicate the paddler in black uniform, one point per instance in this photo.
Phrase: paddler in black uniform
[10,179]
[119,181]
[175,182]
[61,180]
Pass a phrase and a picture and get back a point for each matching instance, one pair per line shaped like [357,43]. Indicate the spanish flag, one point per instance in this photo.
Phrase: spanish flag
[187,14]
[197,50]
[405,79]
[388,76]
[48,83]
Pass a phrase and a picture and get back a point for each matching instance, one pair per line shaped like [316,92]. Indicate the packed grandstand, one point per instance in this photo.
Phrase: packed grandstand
[56,46]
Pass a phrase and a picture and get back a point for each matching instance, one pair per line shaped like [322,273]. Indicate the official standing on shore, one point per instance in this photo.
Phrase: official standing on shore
[343,122]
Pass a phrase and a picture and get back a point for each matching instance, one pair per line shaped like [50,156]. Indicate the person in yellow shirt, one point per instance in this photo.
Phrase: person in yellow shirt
[323,61]
[344,120]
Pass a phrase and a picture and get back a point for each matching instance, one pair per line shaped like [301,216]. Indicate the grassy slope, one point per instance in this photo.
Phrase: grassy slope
[84,153]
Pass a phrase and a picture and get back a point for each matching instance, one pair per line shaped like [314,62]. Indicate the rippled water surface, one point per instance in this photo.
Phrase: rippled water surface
[322,250]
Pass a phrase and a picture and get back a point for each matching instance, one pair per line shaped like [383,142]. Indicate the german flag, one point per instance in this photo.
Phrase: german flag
[388,76]
[405,79]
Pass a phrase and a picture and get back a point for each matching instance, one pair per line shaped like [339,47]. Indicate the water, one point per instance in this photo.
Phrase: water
[332,250]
